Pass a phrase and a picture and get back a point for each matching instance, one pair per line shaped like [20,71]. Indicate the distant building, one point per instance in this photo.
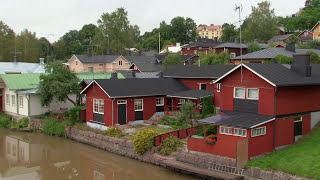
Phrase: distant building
[316,31]
[171,49]
[305,36]
[210,32]
[282,38]
[21,67]
[201,45]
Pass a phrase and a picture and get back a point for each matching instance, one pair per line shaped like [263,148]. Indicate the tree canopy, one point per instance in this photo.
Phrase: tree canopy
[214,58]
[171,59]
[229,32]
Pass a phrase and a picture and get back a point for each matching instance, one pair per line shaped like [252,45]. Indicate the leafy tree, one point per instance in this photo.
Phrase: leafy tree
[315,58]
[261,23]
[60,50]
[87,33]
[7,40]
[213,58]
[229,32]
[171,59]
[253,47]
[309,45]
[183,29]
[281,59]
[61,82]
[208,106]
[188,114]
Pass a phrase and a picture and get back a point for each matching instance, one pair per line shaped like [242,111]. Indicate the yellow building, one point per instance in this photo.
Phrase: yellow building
[316,31]
[210,32]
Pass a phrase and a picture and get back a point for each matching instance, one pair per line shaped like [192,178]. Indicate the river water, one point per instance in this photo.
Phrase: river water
[29,156]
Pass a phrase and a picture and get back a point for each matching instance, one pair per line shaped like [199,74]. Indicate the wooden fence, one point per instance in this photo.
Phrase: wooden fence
[181,134]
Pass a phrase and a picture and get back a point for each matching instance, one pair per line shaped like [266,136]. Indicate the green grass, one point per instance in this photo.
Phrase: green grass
[301,159]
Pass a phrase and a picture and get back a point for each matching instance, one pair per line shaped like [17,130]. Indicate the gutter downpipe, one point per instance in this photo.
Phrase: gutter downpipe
[28,99]
[112,111]
[275,119]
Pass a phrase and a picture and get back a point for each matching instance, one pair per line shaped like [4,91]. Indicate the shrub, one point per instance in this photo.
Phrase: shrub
[188,113]
[211,129]
[143,140]
[5,120]
[53,127]
[169,145]
[75,114]
[208,106]
[23,123]
[113,132]
[167,120]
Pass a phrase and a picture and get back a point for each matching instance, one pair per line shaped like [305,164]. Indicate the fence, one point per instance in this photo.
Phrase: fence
[181,134]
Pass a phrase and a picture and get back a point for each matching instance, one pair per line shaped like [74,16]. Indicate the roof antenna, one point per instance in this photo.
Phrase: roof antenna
[239,7]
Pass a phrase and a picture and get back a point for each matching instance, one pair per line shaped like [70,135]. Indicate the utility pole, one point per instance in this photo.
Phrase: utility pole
[15,57]
[159,43]
[240,9]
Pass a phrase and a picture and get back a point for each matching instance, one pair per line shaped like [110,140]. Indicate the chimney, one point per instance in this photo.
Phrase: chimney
[41,61]
[129,53]
[133,73]
[16,59]
[291,47]
[89,52]
[236,40]
[139,53]
[215,40]
[109,52]
[114,75]
[117,52]
[161,74]
[301,64]
[211,24]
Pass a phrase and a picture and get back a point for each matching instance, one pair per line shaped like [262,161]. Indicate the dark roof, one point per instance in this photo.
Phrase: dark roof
[149,67]
[193,71]
[161,57]
[192,94]
[305,38]
[140,59]
[97,58]
[129,74]
[149,53]
[280,37]
[136,87]
[271,53]
[203,44]
[238,119]
[231,45]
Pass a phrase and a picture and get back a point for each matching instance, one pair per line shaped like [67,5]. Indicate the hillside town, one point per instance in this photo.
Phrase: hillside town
[183,101]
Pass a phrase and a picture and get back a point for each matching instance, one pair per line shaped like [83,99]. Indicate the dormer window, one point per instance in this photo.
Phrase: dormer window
[120,63]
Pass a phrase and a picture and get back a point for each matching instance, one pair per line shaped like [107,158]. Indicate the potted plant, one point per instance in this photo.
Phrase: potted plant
[211,139]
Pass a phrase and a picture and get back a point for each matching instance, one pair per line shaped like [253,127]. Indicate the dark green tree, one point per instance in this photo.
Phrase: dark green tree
[172,59]
[213,58]
[229,32]
[253,47]
[7,41]
[208,108]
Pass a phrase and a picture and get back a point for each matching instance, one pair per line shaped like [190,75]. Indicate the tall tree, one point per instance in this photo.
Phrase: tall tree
[7,40]
[229,32]
[261,23]
[183,29]
[172,59]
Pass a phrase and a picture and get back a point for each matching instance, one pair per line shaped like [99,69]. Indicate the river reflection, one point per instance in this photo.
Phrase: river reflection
[37,156]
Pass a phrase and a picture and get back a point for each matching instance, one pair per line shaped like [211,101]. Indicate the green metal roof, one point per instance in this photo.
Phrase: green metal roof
[31,81]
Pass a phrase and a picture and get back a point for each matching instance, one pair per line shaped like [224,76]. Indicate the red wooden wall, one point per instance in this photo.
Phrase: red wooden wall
[194,83]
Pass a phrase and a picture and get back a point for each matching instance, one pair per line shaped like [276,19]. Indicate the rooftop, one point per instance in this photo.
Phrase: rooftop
[192,94]
[21,67]
[280,38]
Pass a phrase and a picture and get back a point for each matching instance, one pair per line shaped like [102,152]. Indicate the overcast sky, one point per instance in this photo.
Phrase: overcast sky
[53,18]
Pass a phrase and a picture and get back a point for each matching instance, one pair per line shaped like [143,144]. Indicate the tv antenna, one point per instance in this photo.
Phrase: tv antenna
[239,8]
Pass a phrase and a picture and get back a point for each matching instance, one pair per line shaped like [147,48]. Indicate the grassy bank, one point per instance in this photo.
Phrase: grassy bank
[302,159]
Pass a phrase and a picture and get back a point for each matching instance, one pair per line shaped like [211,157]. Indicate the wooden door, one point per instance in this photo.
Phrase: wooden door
[122,112]
[242,153]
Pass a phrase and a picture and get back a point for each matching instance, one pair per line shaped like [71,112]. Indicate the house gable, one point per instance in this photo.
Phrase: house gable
[75,64]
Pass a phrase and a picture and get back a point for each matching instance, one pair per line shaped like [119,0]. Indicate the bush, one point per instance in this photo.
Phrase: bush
[143,141]
[75,114]
[113,132]
[208,106]
[211,129]
[23,123]
[169,145]
[167,120]
[5,120]
[53,127]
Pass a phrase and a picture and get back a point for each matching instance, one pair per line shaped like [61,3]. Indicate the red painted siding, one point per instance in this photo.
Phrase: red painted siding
[292,100]
[306,124]
[191,50]
[1,103]
[249,80]
[284,131]
[232,50]
[262,144]
[194,83]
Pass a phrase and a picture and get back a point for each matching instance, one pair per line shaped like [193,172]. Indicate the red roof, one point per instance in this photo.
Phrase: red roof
[211,27]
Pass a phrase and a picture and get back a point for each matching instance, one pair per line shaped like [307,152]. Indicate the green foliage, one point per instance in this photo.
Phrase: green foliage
[208,106]
[169,145]
[309,45]
[5,120]
[213,58]
[229,32]
[113,132]
[211,129]
[23,123]
[169,120]
[261,23]
[281,59]
[59,83]
[188,114]
[315,59]
[53,127]
[253,47]
[75,114]
[171,59]
[144,141]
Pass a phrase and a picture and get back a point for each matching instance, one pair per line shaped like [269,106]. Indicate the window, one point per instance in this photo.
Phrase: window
[21,101]
[239,93]
[138,105]
[76,62]
[100,64]
[122,102]
[203,86]
[258,131]
[160,101]
[298,119]
[225,130]
[188,48]
[120,63]
[218,87]
[13,100]
[200,47]
[253,93]
[181,101]
[7,99]
[240,132]
[98,106]
[232,55]
[98,176]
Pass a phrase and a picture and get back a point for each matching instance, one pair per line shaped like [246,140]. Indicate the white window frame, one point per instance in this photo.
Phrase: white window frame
[122,102]
[255,135]
[201,84]
[8,99]
[181,101]
[99,103]
[222,130]
[20,99]
[298,120]
[248,94]
[98,176]
[13,100]
[218,87]
[234,93]
[232,55]
[160,101]
[239,130]
[120,63]
[136,106]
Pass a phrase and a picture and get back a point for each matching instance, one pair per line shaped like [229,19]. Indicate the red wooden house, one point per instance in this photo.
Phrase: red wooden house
[201,45]
[263,107]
